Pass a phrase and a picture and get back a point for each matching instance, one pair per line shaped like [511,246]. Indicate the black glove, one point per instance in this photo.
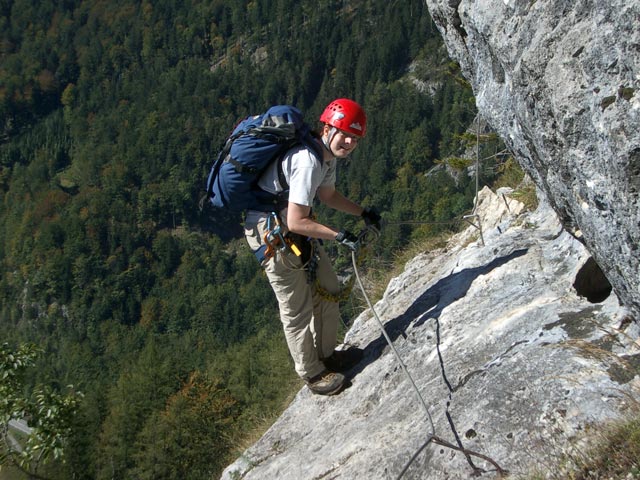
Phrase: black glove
[372,219]
[349,240]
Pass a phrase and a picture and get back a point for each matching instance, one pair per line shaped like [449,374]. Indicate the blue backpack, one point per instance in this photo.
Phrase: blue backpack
[252,146]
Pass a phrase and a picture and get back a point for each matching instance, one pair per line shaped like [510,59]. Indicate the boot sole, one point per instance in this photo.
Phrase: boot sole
[328,393]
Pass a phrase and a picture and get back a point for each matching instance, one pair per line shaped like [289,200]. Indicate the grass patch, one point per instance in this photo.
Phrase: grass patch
[616,454]
[526,193]
[524,190]
[377,279]
[613,453]
[263,422]
[10,473]
[607,451]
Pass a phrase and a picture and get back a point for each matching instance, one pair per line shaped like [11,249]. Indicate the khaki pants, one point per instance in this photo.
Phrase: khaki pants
[310,322]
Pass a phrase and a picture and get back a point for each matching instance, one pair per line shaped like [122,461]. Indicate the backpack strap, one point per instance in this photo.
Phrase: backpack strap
[281,177]
[308,142]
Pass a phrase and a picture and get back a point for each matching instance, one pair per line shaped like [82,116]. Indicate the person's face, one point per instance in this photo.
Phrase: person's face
[343,143]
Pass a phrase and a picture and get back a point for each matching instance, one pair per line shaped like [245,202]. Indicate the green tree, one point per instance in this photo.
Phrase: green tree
[49,413]
[141,389]
[192,437]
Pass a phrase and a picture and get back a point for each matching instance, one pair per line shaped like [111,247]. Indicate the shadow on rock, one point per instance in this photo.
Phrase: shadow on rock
[429,306]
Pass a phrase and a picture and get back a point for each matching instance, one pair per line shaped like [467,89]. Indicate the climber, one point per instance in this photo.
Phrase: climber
[310,321]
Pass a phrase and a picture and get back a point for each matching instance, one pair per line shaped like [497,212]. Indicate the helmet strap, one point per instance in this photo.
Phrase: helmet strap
[327,141]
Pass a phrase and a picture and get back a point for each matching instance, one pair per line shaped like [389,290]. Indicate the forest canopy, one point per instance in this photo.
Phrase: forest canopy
[111,114]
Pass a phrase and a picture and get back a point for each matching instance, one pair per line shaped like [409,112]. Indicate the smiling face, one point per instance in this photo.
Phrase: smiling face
[341,143]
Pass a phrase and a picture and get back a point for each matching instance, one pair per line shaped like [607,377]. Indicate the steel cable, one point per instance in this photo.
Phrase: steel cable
[432,434]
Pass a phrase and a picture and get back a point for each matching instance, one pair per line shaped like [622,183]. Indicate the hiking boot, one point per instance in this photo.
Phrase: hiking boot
[325,383]
[343,360]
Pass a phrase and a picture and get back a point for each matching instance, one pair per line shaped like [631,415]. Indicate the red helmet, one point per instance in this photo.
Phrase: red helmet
[346,115]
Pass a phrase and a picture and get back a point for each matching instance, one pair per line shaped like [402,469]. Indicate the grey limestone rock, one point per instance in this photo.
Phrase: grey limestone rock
[560,82]
[531,362]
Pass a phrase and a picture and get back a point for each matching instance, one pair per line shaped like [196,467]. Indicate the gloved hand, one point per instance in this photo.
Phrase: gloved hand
[349,240]
[372,219]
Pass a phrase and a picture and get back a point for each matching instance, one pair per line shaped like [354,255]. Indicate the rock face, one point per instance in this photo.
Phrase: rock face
[560,82]
[531,363]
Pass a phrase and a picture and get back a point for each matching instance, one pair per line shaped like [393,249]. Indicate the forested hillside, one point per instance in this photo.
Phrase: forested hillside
[111,113]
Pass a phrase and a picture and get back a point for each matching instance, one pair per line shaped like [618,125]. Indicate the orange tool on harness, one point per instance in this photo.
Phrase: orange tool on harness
[274,239]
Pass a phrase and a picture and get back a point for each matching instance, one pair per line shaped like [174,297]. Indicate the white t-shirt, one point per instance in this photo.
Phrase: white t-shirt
[304,173]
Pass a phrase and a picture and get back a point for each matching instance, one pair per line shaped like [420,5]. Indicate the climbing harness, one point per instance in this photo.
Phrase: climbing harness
[432,437]
[275,240]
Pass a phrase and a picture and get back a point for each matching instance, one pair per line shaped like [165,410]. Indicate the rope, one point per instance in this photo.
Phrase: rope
[341,296]
[432,437]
